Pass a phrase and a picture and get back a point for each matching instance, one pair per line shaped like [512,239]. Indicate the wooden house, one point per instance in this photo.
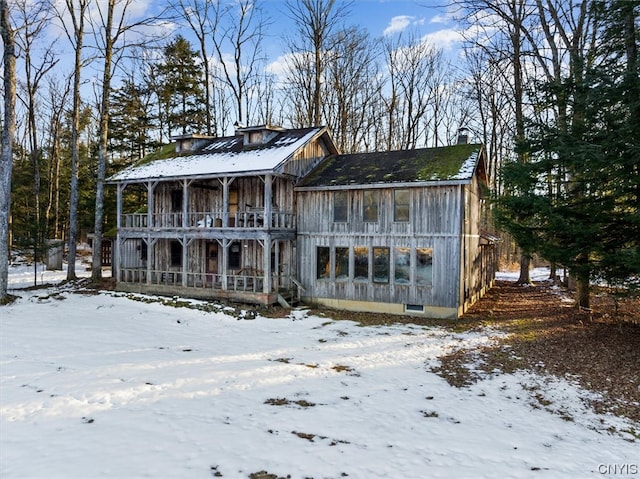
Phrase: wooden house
[396,232]
[272,211]
[217,218]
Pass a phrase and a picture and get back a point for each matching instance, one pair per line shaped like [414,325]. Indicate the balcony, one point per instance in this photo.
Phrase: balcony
[252,218]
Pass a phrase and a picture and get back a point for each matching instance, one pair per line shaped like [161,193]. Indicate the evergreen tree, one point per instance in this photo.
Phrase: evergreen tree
[576,201]
[130,122]
[180,88]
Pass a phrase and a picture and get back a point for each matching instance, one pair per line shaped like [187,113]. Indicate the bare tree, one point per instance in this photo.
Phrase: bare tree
[352,84]
[315,21]
[201,17]
[499,29]
[6,154]
[77,12]
[110,30]
[244,32]
[412,64]
[34,19]
[58,104]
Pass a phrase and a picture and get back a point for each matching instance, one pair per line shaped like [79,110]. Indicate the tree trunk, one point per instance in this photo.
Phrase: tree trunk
[75,137]
[525,262]
[6,154]
[96,267]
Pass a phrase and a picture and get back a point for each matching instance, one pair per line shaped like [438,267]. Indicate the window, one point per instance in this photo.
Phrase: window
[402,263]
[340,204]
[361,263]
[424,270]
[176,201]
[370,205]
[235,255]
[401,205]
[380,265]
[176,253]
[342,264]
[323,262]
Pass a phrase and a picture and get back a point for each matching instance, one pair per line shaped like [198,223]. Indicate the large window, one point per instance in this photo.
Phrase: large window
[340,206]
[380,265]
[402,265]
[401,205]
[424,270]
[323,262]
[361,263]
[342,264]
[370,204]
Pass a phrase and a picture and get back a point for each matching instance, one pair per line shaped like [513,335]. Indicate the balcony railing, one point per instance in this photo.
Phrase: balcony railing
[234,282]
[250,218]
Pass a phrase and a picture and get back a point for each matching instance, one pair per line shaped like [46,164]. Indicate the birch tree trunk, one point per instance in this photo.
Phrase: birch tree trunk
[96,266]
[6,154]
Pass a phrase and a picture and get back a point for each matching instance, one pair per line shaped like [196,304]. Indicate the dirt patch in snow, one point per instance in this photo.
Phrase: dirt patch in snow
[548,334]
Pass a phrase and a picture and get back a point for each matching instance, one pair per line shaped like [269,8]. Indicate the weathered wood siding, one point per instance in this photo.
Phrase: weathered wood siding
[305,159]
[478,260]
[435,219]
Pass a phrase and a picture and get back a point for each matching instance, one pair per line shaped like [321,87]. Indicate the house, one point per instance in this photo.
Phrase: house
[271,212]
[217,218]
[397,232]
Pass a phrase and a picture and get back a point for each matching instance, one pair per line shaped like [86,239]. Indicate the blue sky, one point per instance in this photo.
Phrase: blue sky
[427,18]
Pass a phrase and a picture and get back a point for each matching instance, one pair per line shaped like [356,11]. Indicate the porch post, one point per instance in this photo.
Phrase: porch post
[185,246]
[185,205]
[150,203]
[266,264]
[225,261]
[225,202]
[115,262]
[268,193]
[150,258]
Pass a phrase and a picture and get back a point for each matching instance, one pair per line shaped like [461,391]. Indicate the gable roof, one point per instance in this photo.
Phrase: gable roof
[225,155]
[448,163]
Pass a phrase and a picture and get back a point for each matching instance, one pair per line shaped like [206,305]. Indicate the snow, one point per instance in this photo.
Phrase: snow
[111,385]
[467,168]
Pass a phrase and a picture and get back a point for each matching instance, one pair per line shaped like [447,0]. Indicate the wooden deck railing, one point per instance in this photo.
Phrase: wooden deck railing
[234,282]
[250,218]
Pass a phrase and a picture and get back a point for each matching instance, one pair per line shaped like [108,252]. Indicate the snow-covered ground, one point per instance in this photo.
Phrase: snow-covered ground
[112,386]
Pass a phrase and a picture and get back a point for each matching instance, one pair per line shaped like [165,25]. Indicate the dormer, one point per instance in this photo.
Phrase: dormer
[257,135]
[190,142]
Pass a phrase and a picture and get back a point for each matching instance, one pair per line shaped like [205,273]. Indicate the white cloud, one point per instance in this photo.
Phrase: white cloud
[444,39]
[398,24]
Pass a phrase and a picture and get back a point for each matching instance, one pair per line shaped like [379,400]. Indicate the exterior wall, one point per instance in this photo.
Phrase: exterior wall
[306,158]
[434,222]
[479,261]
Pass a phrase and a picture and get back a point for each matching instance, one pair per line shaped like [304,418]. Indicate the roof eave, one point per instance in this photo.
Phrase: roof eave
[368,186]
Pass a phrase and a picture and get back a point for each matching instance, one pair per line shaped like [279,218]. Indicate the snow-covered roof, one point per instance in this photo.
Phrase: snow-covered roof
[223,156]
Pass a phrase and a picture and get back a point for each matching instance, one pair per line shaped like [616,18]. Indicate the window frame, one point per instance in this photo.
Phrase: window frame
[376,266]
[326,265]
[401,210]
[370,206]
[405,278]
[341,211]
[419,267]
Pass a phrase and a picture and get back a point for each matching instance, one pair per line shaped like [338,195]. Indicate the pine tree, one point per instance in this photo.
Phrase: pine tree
[130,122]
[180,89]
[576,201]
